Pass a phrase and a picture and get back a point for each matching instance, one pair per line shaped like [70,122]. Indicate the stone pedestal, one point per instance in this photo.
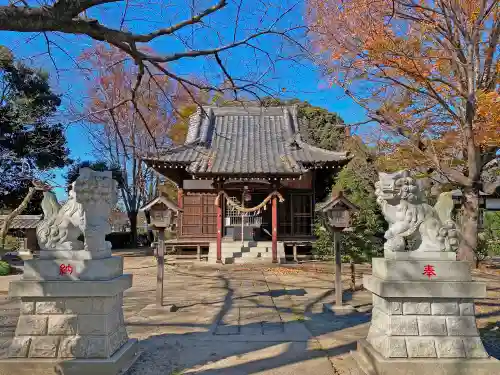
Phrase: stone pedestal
[71,318]
[423,315]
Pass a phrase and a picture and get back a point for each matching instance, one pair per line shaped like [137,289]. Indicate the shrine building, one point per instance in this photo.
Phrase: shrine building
[247,183]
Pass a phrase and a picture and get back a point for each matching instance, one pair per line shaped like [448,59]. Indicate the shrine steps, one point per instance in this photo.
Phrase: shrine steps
[251,252]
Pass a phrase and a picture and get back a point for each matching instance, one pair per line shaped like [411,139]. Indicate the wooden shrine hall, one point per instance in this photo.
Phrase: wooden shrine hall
[247,182]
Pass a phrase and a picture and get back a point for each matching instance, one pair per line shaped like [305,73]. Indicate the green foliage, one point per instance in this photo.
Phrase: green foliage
[322,128]
[319,127]
[323,246]
[30,141]
[357,180]
[11,243]
[490,236]
[4,268]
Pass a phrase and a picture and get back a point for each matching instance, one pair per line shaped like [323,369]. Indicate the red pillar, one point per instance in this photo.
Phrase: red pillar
[275,228]
[180,203]
[219,230]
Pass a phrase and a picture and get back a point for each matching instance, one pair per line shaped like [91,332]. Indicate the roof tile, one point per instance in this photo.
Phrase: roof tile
[251,140]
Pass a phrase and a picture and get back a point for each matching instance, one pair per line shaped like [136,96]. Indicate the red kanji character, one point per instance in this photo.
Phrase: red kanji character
[64,269]
[429,271]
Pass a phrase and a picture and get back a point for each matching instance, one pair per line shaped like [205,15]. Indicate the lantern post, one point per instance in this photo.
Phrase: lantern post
[162,213]
[336,215]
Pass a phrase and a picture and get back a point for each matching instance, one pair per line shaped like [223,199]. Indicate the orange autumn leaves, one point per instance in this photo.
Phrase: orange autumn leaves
[419,67]
[487,130]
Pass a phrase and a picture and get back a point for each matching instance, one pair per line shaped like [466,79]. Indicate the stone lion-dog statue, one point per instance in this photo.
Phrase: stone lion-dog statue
[411,218]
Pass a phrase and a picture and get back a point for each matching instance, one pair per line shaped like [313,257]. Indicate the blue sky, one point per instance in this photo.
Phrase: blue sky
[303,80]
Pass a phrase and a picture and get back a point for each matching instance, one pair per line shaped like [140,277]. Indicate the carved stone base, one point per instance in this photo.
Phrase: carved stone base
[423,313]
[372,363]
[118,363]
[73,320]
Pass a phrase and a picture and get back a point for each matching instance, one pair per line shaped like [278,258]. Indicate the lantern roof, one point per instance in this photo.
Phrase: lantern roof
[161,200]
[336,199]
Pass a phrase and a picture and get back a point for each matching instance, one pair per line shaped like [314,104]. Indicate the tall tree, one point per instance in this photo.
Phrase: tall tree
[356,180]
[428,73]
[118,136]
[205,31]
[31,142]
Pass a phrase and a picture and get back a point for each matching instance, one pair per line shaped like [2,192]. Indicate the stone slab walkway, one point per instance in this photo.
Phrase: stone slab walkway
[245,320]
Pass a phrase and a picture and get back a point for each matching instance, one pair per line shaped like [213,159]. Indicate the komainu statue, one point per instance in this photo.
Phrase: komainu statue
[86,212]
[410,219]
[61,226]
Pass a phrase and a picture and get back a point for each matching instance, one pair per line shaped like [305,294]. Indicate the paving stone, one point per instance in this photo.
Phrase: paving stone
[450,347]
[403,325]
[444,308]
[44,347]
[28,308]
[474,348]
[416,308]
[461,326]
[32,325]
[72,347]
[50,307]
[419,347]
[19,347]
[62,325]
[467,308]
[96,346]
[431,326]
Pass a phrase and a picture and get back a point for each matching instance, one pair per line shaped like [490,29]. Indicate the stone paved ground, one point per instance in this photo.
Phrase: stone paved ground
[247,320]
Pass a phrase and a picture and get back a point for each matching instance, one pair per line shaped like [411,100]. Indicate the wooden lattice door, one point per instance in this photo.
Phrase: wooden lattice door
[199,216]
[209,218]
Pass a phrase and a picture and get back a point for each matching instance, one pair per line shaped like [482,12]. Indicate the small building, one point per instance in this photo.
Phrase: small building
[487,202]
[247,182]
[23,228]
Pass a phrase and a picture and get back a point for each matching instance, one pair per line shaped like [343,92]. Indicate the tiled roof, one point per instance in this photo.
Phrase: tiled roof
[23,221]
[245,141]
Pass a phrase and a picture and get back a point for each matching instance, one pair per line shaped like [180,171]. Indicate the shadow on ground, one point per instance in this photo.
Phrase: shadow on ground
[277,339]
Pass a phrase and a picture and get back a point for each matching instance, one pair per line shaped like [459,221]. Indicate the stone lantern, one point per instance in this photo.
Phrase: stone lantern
[335,214]
[163,213]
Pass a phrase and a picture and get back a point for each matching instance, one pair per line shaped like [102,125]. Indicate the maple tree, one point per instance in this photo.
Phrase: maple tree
[124,131]
[427,72]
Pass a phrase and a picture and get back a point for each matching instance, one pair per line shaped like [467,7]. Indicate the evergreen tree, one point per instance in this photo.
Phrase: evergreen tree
[30,141]
[357,180]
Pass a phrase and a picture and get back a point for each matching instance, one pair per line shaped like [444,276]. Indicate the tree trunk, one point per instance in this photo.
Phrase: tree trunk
[13,214]
[353,275]
[470,225]
[132,217]
[151,235]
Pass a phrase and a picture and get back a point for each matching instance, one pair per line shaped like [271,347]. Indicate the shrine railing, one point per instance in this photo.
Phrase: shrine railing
[250,221]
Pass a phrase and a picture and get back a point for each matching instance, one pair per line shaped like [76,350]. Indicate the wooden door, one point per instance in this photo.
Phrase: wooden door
[302,213]
[209,218]
[199,216]
[192,215]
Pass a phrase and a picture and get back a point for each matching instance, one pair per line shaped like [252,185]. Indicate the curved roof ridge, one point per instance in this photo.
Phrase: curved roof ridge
[302,144]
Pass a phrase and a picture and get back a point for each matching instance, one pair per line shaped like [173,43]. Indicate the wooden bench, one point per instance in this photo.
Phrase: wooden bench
[298,243]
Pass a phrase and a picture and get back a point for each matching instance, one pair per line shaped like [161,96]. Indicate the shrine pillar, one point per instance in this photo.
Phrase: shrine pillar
[274,222]
[219,228]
